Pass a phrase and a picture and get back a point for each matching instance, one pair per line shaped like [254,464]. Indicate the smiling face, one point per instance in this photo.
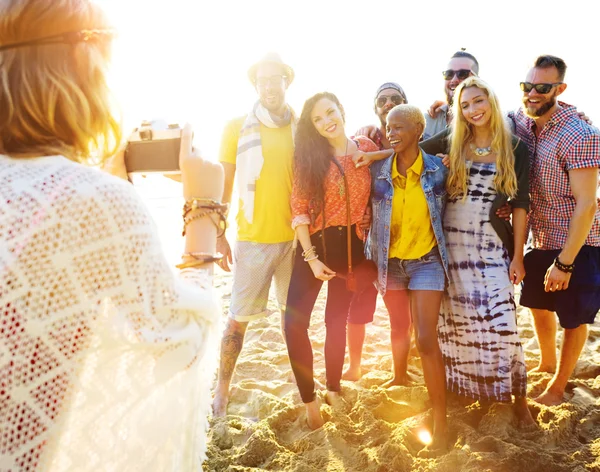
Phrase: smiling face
[392,98]
[537,104]
[475,106]
[271,84]
[403,132]
[456,64]
[327,119]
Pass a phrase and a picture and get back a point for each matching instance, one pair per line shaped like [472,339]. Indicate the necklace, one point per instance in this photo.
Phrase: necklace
[341,187]
[481,152]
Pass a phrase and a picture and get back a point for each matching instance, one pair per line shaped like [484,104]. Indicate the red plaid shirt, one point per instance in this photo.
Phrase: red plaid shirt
[565,143]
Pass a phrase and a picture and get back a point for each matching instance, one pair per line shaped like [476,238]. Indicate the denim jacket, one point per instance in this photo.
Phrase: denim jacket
[433,182]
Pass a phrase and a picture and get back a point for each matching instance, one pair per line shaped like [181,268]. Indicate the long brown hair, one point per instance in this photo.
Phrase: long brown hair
[313,154]
[505,180]
[54,98]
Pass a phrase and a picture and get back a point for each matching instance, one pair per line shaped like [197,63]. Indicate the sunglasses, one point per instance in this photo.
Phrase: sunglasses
[539,88]
[462,74]
[273,80]
[395,99]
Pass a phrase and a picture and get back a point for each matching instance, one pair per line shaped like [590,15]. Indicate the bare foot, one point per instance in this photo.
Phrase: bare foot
[549,398]
[524,418]
[544,368]
[220,403]
[352,373]
[438,447]
[334,399]
[314,420]
[403,381]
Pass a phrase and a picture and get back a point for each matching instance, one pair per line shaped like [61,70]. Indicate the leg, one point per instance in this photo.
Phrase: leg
[303,292]
[522,413]
[425,310]
[545,329]
[362,310]
[336,315]
[397,303]
[231,346]
[572,346]
[281,277]
[249,297]
[356,340]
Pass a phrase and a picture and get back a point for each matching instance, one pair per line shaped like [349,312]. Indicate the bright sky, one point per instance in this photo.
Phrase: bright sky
[187,59]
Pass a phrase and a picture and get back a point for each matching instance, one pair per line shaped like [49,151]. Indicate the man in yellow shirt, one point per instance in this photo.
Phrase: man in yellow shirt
[260,148]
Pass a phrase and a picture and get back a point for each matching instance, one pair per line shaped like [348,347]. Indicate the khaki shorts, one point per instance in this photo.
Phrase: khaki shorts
[255,266]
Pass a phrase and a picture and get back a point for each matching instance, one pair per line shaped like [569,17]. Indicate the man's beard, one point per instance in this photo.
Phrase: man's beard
[536,113]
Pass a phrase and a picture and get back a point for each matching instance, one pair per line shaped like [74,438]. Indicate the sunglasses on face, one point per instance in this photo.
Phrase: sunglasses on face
[462,74]
[273,80]
[395,99]
[539,88]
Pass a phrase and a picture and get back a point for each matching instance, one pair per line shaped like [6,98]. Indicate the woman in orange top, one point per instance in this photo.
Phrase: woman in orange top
[322,153]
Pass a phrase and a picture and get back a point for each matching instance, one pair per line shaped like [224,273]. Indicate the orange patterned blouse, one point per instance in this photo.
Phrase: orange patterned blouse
[359,182]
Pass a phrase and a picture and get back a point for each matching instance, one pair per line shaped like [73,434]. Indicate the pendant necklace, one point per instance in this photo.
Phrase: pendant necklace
[341,187]
[481,152]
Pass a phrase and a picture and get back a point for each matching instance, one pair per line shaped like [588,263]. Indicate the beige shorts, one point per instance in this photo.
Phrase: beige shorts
[255,266]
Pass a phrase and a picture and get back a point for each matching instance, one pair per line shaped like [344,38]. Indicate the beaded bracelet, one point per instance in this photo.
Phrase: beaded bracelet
[220,224]
[563,267]
[196,203]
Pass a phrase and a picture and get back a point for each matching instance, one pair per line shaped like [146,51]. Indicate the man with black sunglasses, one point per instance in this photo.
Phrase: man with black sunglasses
[461,65]
[563,266]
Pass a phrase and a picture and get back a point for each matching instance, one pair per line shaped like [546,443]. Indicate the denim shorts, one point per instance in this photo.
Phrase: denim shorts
[424,273]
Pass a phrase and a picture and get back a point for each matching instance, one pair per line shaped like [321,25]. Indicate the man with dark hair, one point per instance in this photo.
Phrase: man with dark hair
[563,267]
[461,65]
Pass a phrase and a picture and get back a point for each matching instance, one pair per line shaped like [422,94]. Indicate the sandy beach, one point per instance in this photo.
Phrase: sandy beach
[377,430]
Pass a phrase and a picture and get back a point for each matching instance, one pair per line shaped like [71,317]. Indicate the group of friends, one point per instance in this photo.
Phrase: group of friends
[107,355]
[442,202]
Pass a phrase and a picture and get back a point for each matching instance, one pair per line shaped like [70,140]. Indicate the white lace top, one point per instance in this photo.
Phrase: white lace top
[106,355]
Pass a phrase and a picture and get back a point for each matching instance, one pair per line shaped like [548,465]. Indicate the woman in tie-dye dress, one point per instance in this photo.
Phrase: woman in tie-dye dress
[478,326]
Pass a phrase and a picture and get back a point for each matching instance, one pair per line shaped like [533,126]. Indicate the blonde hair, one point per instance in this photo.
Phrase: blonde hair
[411,112]
[54,98]
[505,180]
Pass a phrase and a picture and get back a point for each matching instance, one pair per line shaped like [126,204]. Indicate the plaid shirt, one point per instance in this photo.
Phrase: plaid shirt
[565,143]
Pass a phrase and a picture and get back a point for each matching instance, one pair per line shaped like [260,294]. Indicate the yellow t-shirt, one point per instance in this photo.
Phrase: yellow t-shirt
[411,233]
[272,211]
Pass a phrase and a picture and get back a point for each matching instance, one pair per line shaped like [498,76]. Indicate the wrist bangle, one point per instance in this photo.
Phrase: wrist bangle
[568,268]
[311,258]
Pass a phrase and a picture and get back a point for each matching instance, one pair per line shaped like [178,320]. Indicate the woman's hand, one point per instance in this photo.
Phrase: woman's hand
[516,270]
[360,159]
[201,178]
[115,165]
[445,159]
[320,270]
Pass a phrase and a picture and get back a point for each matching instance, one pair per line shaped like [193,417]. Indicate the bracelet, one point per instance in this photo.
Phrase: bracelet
[220,224]
[196,255]
[196,203]
[309,251]
[308,259]
[563,267]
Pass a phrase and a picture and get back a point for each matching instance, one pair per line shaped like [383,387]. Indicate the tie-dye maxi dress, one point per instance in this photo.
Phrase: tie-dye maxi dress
[478,326]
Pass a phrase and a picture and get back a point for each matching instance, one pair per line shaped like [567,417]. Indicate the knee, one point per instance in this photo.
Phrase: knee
[427,343]
[294,323]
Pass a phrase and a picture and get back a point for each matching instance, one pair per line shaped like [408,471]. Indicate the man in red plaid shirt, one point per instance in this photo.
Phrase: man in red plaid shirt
[563,267]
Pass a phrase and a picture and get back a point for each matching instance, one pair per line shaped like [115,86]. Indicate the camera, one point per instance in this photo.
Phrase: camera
[154,147]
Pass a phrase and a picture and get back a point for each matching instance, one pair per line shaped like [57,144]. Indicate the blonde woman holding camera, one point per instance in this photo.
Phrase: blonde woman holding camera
[106,354]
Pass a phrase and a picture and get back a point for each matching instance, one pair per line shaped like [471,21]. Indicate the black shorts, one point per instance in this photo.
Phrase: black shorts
[575,306]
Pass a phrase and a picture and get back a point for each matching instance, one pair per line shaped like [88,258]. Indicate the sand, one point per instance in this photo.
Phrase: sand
[377,430]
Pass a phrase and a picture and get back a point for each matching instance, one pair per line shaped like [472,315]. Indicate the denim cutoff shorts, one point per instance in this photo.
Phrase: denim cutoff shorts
[424,273]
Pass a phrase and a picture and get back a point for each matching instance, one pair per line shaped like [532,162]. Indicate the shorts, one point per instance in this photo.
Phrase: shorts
[424,273]
[575,306]
[255,266]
